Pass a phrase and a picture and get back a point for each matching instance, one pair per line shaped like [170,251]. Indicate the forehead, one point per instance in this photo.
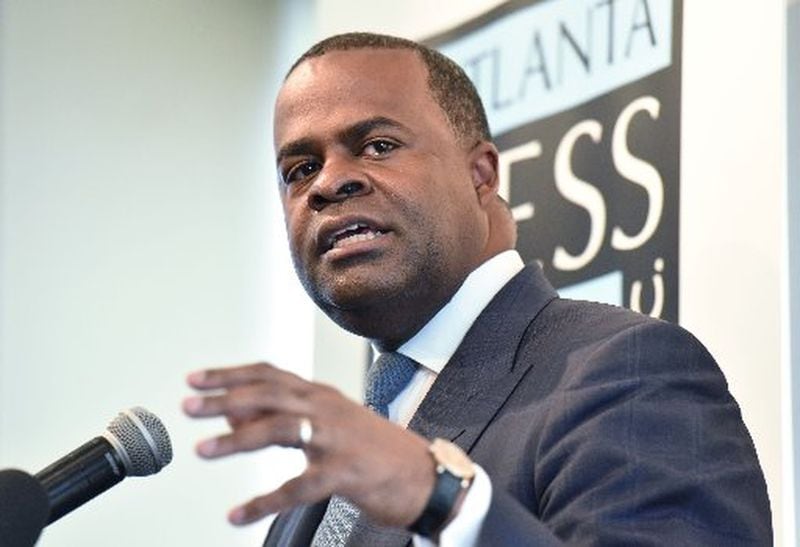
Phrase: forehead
[342,87]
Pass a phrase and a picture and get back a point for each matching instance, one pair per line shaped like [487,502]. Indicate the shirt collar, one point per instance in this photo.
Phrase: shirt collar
[435,343]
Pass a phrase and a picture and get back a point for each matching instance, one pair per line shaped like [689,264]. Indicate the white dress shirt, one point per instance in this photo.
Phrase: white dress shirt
[432,347]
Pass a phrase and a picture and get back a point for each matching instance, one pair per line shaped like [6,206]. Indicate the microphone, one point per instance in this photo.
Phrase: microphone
[135,443]
[23,509]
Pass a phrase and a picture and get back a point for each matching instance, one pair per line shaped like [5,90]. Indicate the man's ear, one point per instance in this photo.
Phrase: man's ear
[483,168]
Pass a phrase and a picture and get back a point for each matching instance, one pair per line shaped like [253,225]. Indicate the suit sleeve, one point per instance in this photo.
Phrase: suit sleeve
[631,440]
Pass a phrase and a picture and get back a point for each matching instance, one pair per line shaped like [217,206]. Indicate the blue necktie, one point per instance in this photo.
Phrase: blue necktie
[386,378]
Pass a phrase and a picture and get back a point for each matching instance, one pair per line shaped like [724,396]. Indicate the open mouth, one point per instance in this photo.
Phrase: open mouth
[354,233]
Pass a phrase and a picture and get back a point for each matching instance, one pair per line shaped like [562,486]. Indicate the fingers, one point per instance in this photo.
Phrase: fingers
[235,419]
[309,487]
[245,392]
[248,400]
[266,406]
[229,377]
[276,429]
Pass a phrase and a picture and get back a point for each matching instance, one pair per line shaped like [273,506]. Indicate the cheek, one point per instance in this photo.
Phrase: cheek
[296,229]
[464,221]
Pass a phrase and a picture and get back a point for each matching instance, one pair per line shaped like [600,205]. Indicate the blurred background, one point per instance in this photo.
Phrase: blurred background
[141,235]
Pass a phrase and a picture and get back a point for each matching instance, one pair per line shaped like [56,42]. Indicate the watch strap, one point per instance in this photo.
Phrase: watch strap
[454,474]
[440,504]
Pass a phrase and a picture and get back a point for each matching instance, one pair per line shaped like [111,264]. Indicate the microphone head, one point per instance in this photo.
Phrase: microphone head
[24,508]
[141,441]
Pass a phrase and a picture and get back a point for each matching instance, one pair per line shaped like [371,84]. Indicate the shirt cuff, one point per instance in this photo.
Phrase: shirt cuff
[464,529]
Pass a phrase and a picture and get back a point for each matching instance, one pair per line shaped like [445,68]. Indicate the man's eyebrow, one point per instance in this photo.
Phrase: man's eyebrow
[300,147]
[360,130]
[353,133]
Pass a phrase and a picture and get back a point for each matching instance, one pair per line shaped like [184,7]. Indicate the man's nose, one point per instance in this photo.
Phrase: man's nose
[338,181]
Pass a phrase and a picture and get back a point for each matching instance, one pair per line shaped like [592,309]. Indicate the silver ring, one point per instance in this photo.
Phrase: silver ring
[306,432]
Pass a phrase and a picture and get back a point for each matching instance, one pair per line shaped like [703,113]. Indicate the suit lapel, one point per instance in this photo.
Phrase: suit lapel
[483,371]
[296,528]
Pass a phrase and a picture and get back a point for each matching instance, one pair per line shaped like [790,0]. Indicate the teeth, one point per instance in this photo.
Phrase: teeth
[355,238]
[351,228]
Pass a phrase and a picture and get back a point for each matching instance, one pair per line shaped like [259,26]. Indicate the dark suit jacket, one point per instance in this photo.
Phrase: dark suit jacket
[596,425]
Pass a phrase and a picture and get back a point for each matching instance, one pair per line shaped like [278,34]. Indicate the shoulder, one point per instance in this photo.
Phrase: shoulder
[588,339]
[595,323]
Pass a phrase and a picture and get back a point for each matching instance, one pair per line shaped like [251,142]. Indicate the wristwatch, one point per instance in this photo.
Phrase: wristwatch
[454,474]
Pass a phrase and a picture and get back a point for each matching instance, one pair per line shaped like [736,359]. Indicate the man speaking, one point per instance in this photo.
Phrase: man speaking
[495,412]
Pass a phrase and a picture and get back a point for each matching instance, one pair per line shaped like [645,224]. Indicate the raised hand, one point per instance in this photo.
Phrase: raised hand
[351,451]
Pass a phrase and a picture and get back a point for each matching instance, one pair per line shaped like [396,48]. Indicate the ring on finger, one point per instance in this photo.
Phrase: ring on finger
[306,432]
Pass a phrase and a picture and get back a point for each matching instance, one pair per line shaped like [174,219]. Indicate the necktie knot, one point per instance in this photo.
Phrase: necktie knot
[386,378]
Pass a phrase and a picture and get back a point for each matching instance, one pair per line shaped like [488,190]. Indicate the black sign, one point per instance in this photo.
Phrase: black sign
[583,98]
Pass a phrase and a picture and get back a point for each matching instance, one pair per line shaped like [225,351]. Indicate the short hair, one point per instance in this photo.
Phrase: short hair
[449,85]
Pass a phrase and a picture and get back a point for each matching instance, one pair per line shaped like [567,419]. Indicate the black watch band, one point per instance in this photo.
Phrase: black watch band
[440,504]
[454,474]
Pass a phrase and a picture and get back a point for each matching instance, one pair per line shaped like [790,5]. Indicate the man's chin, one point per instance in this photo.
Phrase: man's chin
[352,284]
[354,296]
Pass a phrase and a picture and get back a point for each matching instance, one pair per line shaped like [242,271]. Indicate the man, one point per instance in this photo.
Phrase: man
[582,423]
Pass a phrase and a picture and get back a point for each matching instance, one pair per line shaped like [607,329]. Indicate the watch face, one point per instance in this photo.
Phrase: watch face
[452,458]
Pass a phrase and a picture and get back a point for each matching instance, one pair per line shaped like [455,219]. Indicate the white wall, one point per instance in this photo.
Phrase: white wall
[136,189]
[793,148]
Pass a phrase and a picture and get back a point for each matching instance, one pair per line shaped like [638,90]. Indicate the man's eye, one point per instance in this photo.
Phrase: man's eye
[300,171]
[379,147]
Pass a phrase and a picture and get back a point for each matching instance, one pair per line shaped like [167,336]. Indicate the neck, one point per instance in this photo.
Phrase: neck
[390,322]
